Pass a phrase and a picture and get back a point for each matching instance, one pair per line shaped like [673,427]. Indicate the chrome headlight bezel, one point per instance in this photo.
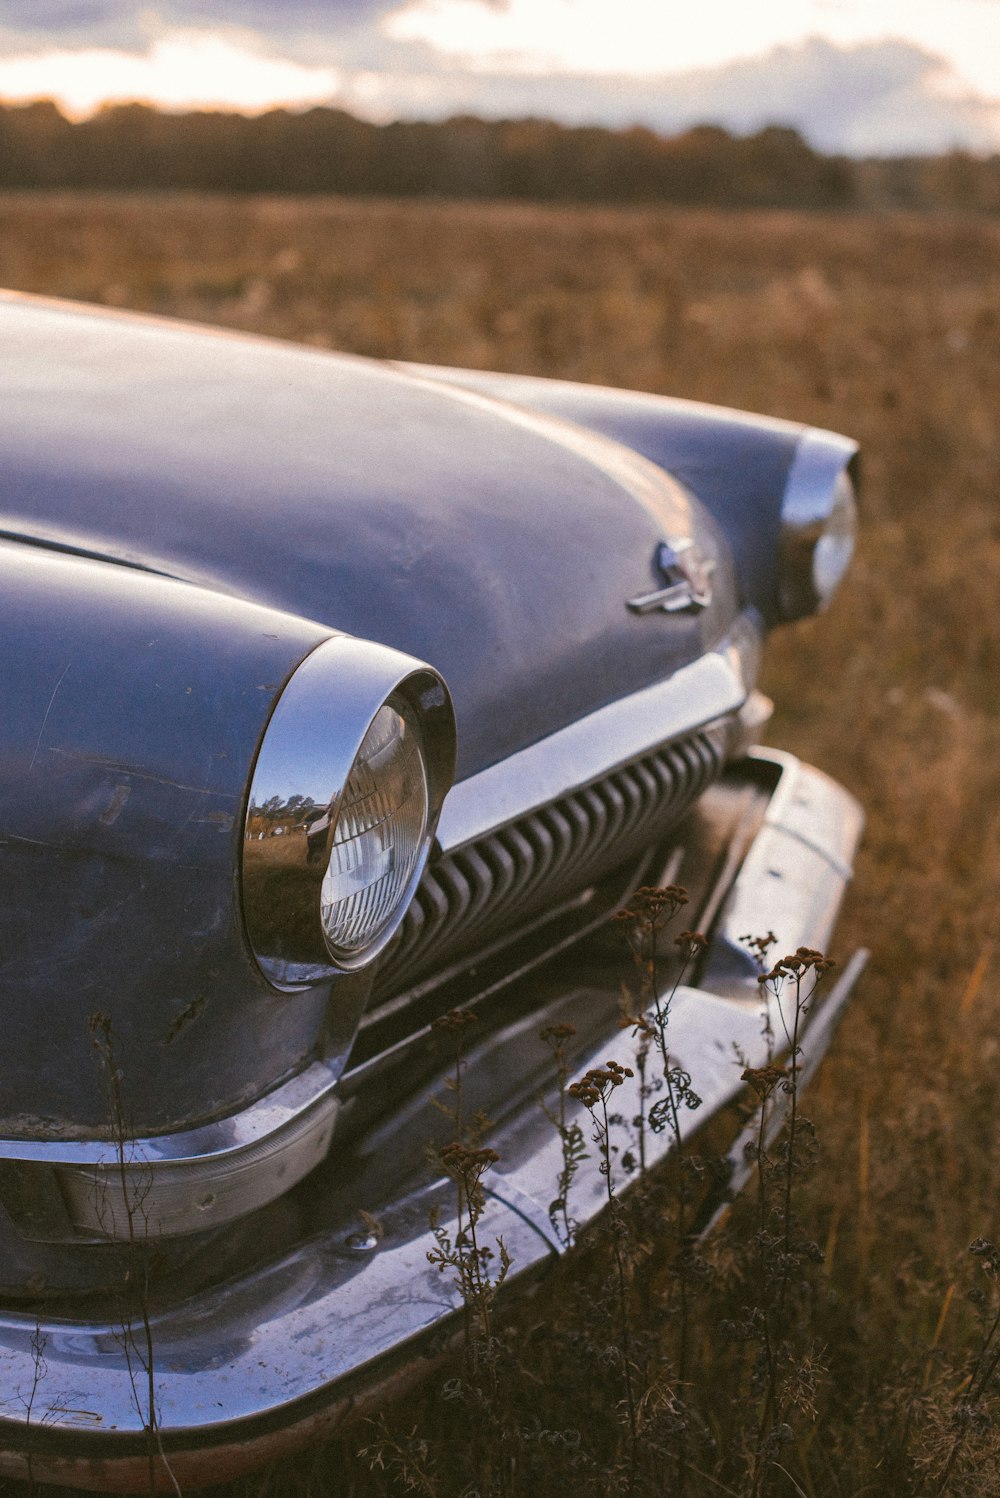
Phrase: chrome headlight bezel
[818,523]
[305,761]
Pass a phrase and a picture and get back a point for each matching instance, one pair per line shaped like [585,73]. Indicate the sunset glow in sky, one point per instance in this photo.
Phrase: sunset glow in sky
[636,37]
[868,76]
[180,71]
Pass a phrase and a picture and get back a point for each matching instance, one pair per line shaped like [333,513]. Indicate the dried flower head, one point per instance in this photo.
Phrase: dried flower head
[454,1021]
[796,964]
[462,1160]
[596,1084]
[760,946]
[557,1033]
[654,905]
[764,1079]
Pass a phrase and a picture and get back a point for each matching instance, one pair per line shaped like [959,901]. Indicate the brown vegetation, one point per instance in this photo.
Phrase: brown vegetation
[884,327]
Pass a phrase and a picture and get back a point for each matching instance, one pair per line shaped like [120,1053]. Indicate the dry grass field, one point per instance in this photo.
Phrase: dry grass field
[887,328]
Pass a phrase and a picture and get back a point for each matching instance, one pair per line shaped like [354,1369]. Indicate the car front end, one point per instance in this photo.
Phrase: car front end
[343,699]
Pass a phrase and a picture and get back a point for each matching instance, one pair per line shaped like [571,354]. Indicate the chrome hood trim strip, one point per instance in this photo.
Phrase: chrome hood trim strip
[711,688]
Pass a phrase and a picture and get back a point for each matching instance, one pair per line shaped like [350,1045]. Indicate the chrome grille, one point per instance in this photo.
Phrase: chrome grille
[501,881]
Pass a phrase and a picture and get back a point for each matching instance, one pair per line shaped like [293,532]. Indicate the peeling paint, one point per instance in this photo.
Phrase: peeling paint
[187,1016]
[116,804]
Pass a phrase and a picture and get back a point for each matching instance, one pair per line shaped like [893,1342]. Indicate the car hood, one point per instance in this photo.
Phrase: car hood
[499,545]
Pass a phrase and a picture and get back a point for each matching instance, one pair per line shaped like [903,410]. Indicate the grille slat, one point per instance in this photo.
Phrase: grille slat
[636,803]
[505,869]
[511,875]
[537,861]
[564,835]
[480,879]
[597,810]
[665,774]
[617,804]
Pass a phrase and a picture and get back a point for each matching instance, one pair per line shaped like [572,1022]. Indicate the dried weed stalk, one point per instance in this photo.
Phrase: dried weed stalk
[127,1201]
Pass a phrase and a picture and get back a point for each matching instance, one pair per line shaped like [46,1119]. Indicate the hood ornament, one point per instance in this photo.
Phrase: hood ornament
[687,573]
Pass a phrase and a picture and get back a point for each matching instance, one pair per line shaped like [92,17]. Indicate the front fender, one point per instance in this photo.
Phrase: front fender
[133,708]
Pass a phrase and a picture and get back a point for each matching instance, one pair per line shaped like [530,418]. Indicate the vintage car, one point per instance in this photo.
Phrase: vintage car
[340,696]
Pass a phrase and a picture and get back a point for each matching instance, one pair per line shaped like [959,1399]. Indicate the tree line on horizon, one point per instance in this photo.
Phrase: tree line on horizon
[326,150]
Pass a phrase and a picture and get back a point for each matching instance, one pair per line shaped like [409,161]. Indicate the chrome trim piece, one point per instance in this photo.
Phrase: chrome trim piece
[674,599]
[297,1325]
[712,687]
[691,590]
[192,1181]
[493,887]
[303,1324]
[303,764]
[818,493]
[754,716]
[793,878]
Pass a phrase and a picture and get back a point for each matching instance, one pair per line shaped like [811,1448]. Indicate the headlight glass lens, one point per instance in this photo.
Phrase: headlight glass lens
[379,833]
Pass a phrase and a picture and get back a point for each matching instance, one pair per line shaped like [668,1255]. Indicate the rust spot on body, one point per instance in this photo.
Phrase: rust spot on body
[187,1017]
[116,804]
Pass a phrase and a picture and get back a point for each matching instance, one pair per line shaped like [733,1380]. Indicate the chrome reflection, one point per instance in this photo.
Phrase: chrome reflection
[818,523]
[709,690]
[346,794]
[378,835]
[687,573]
[190,1181]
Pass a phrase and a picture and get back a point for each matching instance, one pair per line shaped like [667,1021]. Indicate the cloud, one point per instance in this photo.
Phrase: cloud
[63,15]
[122,22]
[876,97]
[887,98]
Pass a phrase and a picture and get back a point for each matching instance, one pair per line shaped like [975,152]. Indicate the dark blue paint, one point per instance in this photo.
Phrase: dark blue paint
[133,707]
[298,492]
[345,492]
[736,464]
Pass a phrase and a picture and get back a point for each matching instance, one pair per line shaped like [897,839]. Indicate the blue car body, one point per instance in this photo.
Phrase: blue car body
[193,523]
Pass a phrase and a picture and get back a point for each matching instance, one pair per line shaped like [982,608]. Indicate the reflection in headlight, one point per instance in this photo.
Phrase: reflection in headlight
[379,833]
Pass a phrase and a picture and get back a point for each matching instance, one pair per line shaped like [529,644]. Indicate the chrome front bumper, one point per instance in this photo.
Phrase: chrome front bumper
[272,1359]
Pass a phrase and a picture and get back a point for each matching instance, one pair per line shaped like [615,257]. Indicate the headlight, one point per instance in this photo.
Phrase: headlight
[343,805]
[379,833]
[818,523]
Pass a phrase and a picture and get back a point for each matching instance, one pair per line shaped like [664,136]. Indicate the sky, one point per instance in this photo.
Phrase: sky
[867,77]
